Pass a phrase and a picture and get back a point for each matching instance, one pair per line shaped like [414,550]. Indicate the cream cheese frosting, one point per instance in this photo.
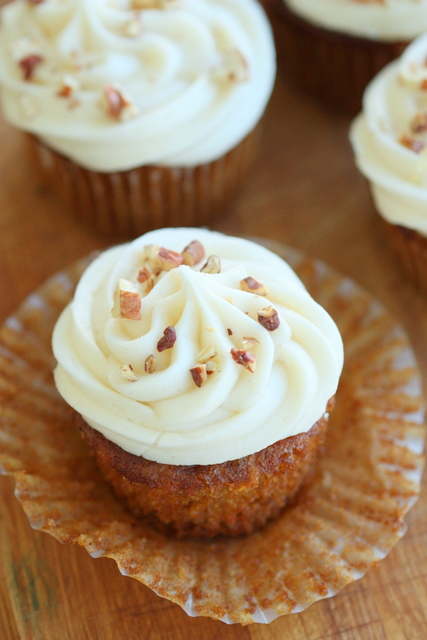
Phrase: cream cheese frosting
[116,84]
[210,364]
[389,139]
[388,20]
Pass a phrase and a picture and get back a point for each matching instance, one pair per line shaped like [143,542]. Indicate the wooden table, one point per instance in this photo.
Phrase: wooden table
[305,192]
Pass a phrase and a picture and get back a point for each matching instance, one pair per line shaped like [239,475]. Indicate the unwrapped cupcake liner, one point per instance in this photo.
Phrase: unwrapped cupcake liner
[332,67]
[347,518]
[126,204]
[410,248]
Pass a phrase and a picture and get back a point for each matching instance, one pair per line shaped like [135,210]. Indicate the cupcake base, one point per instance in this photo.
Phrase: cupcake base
[232,498]
[410,248]
[332,67]
[129,203]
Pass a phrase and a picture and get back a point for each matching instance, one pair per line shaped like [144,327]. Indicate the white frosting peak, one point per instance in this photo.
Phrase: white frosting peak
[390,138]
[389,20]
[192,77]
[164,414]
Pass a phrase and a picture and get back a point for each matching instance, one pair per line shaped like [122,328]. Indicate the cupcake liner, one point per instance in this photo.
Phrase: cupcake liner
[410,248]
[332,67]
[345,520]
[129,203]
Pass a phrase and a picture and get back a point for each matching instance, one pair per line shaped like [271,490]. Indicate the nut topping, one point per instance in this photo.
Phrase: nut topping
[269,318]
[144,274]
[419,122]
[206,354]
[253,286]
[127,303]
[199,374]
[150,364]
[164,260]
[127,372]
[213,265]
[245,358]
[249,342]
[69,86]
[168,339]
[211,367]
[193,253]
[410,143]
[233,69]
[118,104]
[28,65]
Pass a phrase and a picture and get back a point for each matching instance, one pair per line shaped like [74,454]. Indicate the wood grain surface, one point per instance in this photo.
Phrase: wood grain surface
[304,192]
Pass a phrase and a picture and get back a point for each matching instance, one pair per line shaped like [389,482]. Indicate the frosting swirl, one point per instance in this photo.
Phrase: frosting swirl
[245,402]
[116,84]
[390,139]
[388,20]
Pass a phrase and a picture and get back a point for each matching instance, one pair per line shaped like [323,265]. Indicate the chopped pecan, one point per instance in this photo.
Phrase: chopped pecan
[127,372]
[68,87]
[168,339]
[144,274]
[127,303]
[253,286]
[249,342]
[193,253]
[150,364]
[245,358]
[213,265]
[229,331]
[234,68]
[118,104]
[211,367]
[419,122]
[269,318]
[199,374]
[206,354]
[410,143]
[29,64]
[164,260]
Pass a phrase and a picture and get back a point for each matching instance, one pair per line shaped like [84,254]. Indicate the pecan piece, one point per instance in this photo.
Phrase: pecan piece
[245,358]
[168,339]
[419,122]
[253,286]
[118,104]
[410,143]
[164,259]
[29,64]
[199,374]
[213,265]
[229,332]
[269,318]
[69,86]
[127,372]
[150,364]
[206,354]
[234,68]
[193,253]
[249,342]
[211,367]
[127,303]
[144,274]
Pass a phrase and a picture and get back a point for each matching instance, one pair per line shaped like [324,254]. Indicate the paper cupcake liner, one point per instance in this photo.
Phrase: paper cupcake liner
[332,67]
[410,248]
[126,204]
[347,518]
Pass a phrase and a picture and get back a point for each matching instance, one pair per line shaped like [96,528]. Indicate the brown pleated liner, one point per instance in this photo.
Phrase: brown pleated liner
[333,67]
[126,204]
[347,518]
[410,248]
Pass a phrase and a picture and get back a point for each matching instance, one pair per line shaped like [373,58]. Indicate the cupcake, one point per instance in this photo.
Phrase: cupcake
[390,143]
[144,113]
[333,48]
[202,374]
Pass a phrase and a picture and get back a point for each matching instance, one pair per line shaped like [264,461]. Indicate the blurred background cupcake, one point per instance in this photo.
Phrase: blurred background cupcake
[333,48]
[390,143]
[143,112]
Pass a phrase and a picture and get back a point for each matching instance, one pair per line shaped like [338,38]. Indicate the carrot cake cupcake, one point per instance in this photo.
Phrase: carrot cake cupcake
[203,374]
[144,112]
[390,143]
